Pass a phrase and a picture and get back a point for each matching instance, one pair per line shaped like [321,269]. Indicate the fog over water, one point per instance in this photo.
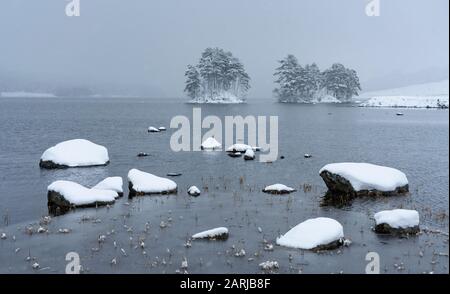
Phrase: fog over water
[142,47]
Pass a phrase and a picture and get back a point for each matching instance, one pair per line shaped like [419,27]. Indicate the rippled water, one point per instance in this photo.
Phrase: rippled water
[416,143]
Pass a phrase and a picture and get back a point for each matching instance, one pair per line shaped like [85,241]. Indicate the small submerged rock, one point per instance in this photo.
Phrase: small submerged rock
[220,233]
[174,174]
[143,154]
[74,153]
[249,154]
[278,189]
[397,222]
[142,183]
[194,191]
[153,130]
[306,155]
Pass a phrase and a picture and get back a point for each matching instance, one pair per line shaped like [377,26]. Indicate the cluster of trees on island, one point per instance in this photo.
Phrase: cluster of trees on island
[221,77]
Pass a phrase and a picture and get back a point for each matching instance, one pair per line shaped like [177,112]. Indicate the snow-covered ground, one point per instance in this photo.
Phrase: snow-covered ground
[76,153]
[398,218]
[24,94]
[223,97]
[78,195]
[428,95]
[147,183]
[366,176]
[312,233]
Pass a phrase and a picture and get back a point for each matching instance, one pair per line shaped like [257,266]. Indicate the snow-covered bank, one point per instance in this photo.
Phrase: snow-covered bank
[219,98]
[142,183]
[317,233]
[428,95]
[74,153]
[24,94]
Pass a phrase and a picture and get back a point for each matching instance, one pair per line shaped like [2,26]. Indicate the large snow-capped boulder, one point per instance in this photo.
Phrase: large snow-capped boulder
[111,184]
[397,221]
[74,153]
[65,195]
[213,234]
[142,183]
[316,234]
[211,144]
[348,180]
[278,189]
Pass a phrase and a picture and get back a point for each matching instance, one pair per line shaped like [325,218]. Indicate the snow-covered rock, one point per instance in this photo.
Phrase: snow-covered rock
[162,129]
[64,195]
[348,180]
[234,154]
[428,95]
[213,234]
[112,184]
[74,153]
[239,147]
[249,154]
[153,130]
[397,221]
[211,144]
[278,189]
[194,191]
[142,183]
[317,234]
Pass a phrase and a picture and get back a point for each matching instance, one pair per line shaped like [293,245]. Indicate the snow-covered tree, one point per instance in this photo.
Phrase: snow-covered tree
[192,82]
[341,82]
[288,79]
[218,76]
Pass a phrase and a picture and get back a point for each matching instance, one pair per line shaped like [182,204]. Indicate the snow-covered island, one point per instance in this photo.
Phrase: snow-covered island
[348,180]
[397,221]
[428,95]
[142,183]
[74,153]
[219,78]
[65,195]
[320,233]
[307,84]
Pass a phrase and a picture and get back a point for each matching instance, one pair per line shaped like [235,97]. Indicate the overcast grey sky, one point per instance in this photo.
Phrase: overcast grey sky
[144,43]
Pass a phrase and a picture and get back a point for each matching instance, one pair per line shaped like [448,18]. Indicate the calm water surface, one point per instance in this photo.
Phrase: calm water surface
[416,143]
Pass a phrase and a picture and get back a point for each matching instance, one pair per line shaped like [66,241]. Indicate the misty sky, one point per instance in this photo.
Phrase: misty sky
[147,44]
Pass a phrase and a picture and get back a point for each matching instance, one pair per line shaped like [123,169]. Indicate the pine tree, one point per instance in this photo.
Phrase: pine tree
[288,79]
[219,74]
[192,81]
[341,82]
